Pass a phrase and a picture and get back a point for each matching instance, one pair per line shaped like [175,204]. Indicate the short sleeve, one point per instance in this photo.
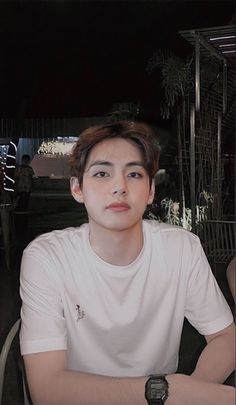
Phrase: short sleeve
[43,324]
[206,307]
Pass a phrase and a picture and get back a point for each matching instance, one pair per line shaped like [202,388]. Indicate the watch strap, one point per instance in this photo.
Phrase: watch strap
[156,402]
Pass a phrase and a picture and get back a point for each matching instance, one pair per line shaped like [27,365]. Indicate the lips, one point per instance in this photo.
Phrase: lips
[118,206]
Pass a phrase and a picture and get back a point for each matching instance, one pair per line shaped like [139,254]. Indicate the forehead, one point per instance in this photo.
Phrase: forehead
[117,150]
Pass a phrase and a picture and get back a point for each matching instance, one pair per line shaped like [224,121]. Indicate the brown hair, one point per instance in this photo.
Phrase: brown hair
[140,133]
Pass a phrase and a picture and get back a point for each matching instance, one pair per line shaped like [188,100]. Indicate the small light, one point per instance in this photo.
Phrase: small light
[225,45]
[229,51]
[225,37]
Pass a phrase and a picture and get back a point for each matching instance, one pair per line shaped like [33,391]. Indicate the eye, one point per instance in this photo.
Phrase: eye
[135,175]
[101,174]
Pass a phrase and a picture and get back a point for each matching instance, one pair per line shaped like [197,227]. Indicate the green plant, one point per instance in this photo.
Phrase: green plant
[177,78]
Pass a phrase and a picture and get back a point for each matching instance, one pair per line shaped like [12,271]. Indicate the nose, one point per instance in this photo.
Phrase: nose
[119,187]
[119,192]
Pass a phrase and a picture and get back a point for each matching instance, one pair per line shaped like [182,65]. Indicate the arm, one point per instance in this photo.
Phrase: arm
[214,365]
[230,274]
[217,361]
[51,383]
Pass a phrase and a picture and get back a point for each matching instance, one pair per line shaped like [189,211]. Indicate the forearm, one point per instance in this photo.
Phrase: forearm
[74,388]
[217,360]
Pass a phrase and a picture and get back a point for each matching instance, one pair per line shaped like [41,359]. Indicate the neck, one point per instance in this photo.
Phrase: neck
[118,248]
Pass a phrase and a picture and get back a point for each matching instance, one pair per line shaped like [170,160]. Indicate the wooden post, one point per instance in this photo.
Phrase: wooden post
[218,170]
[192,168]
[224,87]
[197,73]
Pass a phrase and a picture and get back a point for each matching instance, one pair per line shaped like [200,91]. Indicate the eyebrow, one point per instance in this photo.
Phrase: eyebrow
[107,163]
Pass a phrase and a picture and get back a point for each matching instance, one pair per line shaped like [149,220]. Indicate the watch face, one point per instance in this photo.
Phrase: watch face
[156,389]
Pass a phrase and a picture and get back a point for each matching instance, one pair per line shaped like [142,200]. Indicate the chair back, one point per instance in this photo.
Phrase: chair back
[218,240]
[6,348]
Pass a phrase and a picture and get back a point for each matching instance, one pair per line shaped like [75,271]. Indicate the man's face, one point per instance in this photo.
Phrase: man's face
[116,187]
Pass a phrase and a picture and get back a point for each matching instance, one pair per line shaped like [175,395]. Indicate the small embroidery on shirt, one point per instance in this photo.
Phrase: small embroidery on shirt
[80,313]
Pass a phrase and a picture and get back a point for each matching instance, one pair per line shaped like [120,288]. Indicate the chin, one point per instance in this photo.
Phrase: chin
[118,223]
[122,225]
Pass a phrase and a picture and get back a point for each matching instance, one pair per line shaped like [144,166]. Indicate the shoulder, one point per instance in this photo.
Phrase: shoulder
[173,240]
[55,242]
[29,169]
[54,254]
[169,232]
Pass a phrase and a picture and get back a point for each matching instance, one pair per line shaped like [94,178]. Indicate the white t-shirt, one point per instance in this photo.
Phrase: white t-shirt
[119,321]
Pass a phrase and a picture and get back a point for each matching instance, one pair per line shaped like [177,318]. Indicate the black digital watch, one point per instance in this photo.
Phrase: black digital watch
[156,389]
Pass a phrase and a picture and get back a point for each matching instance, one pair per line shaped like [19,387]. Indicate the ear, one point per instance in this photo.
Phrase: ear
[151,193]
[76,190]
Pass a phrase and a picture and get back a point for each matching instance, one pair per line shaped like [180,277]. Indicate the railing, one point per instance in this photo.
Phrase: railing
[218,240]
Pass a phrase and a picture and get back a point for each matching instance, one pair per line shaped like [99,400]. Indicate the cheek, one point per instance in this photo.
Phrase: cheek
[91,196]
[142,197]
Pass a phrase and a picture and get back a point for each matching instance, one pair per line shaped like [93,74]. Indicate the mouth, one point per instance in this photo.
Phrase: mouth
[118,207]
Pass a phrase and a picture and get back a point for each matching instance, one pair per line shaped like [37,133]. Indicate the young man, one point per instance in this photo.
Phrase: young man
[103,305]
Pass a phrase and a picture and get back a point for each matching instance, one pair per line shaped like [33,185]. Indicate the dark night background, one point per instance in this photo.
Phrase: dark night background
[78,58]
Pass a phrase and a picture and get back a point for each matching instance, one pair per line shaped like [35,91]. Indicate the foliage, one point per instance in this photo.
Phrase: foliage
[172,214]
[177,78]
